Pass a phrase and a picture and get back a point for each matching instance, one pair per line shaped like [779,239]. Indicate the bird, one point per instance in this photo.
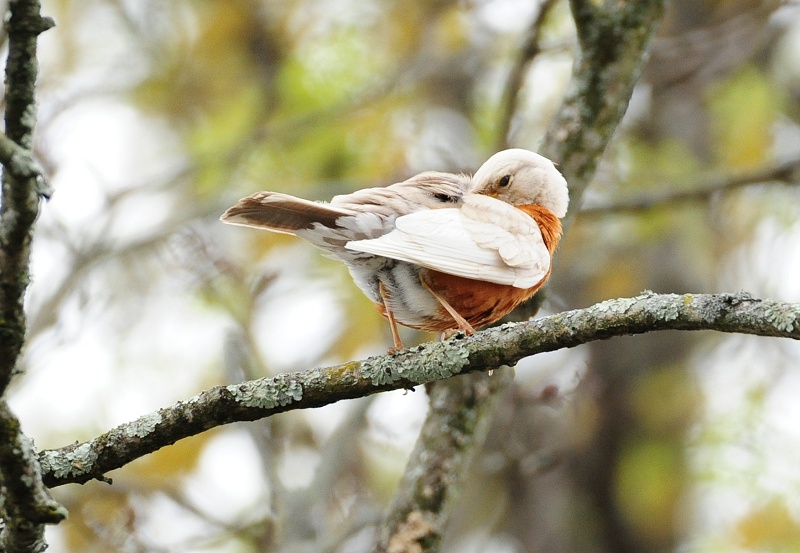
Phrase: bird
[439,252]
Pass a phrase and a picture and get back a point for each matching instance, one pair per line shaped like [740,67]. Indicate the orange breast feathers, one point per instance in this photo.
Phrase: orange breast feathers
[482,303]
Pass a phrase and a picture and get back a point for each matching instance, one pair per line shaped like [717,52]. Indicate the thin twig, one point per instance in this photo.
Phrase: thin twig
[528,51]
[786,172]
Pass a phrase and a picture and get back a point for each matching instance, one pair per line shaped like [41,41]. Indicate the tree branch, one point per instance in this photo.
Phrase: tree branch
[20,163]
[27,502]
[430,362]
[613,45]
[26,505]
[20,199]
[453,432]
[613,40]
[786,172]
[528,51]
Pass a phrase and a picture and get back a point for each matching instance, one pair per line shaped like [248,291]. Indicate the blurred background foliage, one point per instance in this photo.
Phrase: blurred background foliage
[157,115]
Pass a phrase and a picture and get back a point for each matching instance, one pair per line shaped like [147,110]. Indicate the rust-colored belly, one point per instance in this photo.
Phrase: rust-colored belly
[480,303]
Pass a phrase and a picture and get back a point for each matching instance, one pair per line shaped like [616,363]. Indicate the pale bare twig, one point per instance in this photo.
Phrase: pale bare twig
[784,172]
[527,53]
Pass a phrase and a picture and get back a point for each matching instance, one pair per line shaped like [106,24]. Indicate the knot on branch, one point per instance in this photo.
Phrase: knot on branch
[21,164]
[739,297]
[49,512]
[28,24]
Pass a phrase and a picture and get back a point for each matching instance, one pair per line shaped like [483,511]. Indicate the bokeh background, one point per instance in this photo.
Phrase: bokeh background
[157,115]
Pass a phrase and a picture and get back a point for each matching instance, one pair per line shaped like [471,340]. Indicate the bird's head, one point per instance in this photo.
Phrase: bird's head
[521,177]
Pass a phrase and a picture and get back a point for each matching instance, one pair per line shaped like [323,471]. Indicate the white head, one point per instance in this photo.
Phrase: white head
[521,177]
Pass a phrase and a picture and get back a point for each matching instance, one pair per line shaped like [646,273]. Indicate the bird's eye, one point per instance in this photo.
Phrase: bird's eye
[504,181]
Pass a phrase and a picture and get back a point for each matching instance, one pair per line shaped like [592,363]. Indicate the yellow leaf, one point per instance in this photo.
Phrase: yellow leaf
[743,111]
[770,528]
[665,401]
[95,509]
[162,468]
[649,480]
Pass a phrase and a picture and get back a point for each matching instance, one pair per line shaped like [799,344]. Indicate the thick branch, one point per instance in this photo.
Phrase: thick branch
[453,432]
[613,38]
[26,505]
[19,162]
[27,501]
[418,365]
[20,198]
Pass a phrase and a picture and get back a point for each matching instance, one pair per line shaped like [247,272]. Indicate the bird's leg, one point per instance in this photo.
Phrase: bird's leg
[398,343]
[460,321]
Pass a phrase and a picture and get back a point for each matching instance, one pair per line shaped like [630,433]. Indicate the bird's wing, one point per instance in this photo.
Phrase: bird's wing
[486,239]
[366,213]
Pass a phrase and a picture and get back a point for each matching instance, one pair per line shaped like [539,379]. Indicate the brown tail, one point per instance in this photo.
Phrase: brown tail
[281,213]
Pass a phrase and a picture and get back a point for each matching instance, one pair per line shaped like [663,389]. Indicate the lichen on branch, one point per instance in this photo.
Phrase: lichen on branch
[483,351]
[26,506]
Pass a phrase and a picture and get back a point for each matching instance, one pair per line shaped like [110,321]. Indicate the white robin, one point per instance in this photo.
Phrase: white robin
[438,252]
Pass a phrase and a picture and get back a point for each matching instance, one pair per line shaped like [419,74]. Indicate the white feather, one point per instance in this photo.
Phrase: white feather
[486,239]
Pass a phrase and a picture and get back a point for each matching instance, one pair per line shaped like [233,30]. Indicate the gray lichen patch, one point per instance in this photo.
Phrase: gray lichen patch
[268,393]
[380,370]
[29,116]
[668,312]
[71,463]
[711,310]
[782,317]
[617,306]
[438,360]
[144,425]
[445,359]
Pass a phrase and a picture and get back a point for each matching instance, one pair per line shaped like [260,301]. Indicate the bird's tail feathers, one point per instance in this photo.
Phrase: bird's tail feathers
[281,213]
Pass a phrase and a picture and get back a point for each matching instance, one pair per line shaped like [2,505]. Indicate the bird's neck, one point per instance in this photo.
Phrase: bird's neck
[549,224]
